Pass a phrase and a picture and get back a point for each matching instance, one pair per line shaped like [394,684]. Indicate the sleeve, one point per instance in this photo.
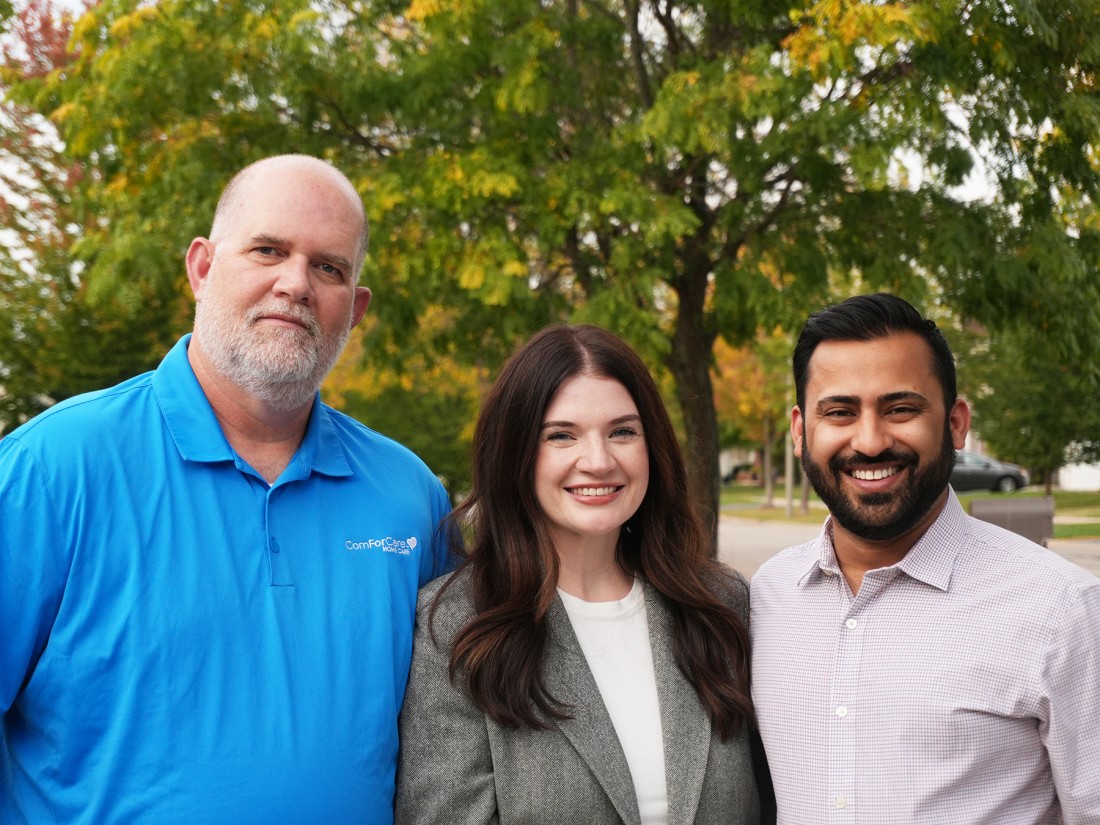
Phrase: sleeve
[732,588]
[443,557]
[32,570]
[1073,685]
[445,767]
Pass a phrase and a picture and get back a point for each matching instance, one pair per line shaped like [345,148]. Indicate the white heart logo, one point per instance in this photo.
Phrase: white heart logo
[412,543]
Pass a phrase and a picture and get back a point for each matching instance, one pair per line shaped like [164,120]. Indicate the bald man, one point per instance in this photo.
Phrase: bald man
[208,577]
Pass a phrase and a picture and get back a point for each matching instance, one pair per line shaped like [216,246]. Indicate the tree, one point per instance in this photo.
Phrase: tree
[1030,405]
[679,171]
[753,388]
[702,167]
[432,408]
[52,343]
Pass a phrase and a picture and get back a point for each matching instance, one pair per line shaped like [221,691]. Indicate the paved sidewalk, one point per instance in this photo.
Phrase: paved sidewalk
[745,543]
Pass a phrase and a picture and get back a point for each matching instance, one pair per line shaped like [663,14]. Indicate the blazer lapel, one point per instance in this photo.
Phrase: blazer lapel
[590,730]
[685,724]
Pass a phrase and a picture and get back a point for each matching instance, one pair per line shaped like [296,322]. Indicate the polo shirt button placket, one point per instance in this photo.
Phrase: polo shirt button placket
[280,570]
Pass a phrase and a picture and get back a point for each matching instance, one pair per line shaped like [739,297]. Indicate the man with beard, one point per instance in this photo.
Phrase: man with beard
[208,578]
[913,664]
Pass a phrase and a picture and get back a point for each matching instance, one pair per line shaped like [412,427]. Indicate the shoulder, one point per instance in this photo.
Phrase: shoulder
[789,564]
[993,552]
[729,586]
[74,440]
[83,417]
[443,608]
[379,450]
[351,429]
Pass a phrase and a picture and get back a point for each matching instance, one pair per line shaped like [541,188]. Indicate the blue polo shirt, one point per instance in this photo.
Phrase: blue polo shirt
[181,642]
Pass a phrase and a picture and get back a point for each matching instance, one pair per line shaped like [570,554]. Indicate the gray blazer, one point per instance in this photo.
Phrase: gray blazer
[458,766]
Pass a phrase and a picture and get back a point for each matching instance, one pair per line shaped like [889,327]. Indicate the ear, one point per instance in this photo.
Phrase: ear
[200,257]
[361,302]
[797,430]
[959,422]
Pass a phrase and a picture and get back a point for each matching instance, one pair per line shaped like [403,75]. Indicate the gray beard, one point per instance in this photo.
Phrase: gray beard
[282,367]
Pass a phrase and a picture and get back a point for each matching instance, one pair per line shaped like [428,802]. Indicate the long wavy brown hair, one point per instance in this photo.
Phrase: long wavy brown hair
[513,567]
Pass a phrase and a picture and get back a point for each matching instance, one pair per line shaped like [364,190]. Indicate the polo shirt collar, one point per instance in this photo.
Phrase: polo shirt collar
[322,449]
[198,436]
[931,560]
[189,417]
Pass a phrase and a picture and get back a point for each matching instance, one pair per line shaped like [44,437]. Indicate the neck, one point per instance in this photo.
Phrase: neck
[589,570]
[264,436]
[857,555]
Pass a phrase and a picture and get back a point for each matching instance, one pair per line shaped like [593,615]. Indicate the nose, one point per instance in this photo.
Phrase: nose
[595,457]
[871,436]
[293,281]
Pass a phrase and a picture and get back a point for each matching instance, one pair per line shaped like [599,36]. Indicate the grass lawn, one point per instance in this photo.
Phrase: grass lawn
[747,500]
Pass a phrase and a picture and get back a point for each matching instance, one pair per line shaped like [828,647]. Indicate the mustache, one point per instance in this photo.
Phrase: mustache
[846,463]
[295,312]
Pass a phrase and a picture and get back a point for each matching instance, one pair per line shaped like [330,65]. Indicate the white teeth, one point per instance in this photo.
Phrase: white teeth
[873,475]
[593,491]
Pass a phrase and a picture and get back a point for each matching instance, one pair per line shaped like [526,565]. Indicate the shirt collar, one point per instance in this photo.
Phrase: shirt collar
[198,436]
[931,560]
[322,448]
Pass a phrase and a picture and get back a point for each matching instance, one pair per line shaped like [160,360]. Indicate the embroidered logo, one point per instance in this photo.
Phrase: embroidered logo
[400,547]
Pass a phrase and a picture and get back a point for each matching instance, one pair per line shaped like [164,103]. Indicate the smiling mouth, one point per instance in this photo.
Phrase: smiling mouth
[285,319]
[874,475]
[593,491]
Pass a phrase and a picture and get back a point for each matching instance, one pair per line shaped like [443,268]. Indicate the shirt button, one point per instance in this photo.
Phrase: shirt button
[274,546]
[840,802]
[851,624]
[842,711]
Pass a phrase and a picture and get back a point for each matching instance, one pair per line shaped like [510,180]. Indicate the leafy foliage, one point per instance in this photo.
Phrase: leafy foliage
[678,170]
[53,343]
[432,408]
[1030,405]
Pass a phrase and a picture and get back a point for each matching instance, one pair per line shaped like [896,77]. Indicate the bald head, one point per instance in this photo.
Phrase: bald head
[250,182]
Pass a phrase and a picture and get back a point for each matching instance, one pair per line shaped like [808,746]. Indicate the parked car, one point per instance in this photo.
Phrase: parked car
[979,472]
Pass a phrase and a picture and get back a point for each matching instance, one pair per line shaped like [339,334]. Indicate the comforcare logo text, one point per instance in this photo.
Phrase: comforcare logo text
[401,547]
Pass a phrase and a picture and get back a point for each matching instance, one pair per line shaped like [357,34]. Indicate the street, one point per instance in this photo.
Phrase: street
[745,544]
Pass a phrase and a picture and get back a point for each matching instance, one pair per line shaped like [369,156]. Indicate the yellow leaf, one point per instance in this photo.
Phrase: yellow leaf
[517,269]
[59,114]
[122,27]
[267,28]
[423,9]
[471,276]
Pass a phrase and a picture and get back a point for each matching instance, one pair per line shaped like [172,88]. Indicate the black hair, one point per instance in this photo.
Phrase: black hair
[865,318]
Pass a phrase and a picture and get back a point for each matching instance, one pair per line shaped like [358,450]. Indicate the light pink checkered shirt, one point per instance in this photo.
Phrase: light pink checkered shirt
[961,685]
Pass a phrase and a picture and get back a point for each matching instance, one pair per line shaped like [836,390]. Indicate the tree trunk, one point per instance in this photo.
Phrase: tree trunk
[689,362]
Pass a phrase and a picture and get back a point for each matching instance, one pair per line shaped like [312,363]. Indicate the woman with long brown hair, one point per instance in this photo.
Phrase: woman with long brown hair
[588,661]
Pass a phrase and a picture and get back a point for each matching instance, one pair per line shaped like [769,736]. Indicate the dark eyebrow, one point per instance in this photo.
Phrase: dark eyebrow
[547,424]
[903,395]
[829,400]
[272,240]
[622,419]
[854,401]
